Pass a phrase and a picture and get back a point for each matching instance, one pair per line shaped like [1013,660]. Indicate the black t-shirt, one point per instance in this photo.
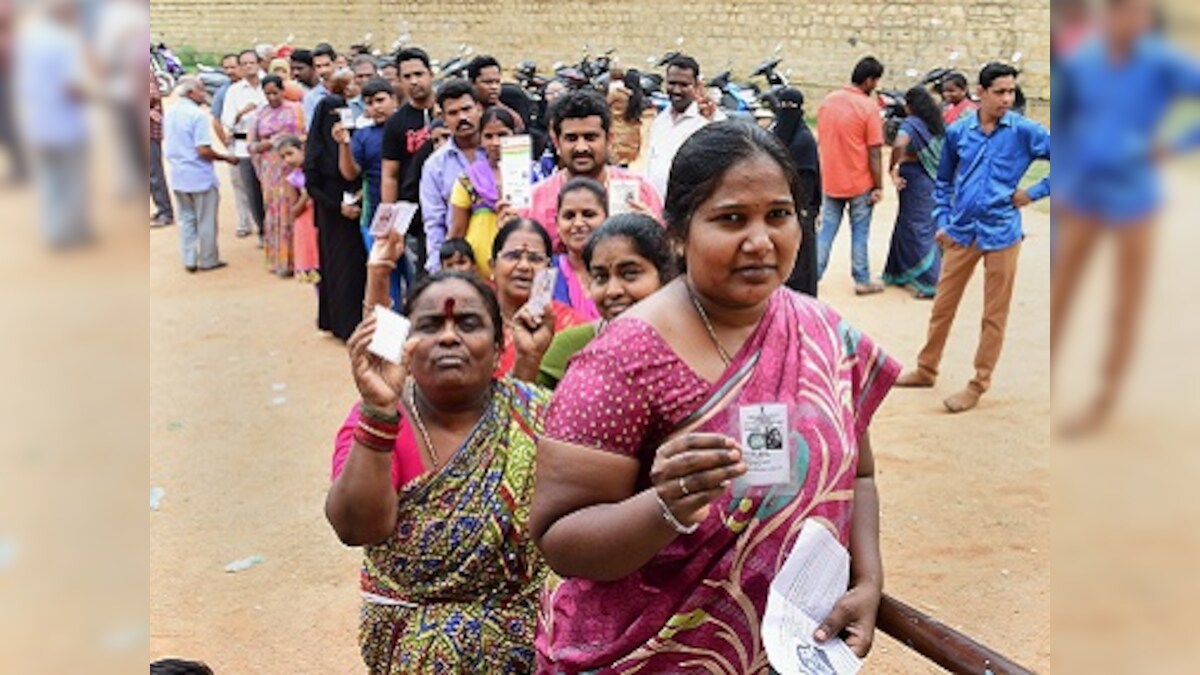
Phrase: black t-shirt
[403,134]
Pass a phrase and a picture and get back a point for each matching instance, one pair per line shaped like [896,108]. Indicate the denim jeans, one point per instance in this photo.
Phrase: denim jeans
[860,229]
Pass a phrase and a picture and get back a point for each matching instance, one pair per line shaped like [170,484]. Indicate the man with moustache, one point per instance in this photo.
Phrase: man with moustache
[323,57]
[678,122]
[582,132]
[461,111]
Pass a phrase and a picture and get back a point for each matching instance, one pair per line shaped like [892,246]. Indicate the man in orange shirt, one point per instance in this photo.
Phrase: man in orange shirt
[850,139]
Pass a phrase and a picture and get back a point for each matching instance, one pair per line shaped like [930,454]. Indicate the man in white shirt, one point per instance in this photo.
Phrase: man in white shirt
[241,101]
[678,122]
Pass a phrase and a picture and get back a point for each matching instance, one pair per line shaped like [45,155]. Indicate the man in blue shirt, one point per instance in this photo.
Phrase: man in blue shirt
[978,216]
[187,138]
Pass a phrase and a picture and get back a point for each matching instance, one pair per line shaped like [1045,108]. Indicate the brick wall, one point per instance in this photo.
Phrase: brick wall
[821,38]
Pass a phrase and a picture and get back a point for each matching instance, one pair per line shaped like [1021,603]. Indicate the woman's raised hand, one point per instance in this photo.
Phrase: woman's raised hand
[380,382]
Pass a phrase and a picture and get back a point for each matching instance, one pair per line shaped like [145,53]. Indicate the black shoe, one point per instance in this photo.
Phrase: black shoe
[217,266]
[190,268]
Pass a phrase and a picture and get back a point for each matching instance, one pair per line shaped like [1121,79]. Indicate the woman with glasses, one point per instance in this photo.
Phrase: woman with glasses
[522,249]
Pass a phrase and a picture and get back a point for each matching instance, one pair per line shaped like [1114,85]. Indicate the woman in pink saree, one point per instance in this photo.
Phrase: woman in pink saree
[640,505]
[278,118]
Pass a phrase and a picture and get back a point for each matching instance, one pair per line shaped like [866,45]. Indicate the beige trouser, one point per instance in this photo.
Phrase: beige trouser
[958,264]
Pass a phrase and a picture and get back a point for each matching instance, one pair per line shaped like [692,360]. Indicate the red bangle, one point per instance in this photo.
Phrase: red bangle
[372,442]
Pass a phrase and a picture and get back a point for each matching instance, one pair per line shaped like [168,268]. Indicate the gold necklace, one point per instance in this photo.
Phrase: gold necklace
[707,325]
[412,403]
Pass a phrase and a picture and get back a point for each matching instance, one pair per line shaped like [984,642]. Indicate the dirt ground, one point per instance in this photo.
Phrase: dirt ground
[245,396]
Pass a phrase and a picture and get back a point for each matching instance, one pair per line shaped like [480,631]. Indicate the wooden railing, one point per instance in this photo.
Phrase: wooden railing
[941,644]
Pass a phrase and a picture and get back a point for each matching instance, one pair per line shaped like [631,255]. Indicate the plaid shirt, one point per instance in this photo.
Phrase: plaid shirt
[156,111]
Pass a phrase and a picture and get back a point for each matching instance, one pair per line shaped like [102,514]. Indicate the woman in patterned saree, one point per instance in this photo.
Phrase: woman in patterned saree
[433,477]
[278,118]
[666,560]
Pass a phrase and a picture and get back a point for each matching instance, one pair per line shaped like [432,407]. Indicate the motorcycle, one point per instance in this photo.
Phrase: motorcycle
[166,66]
[455,66]
[213,78]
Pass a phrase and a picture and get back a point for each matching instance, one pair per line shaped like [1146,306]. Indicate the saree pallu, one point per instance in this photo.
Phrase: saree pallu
[697,606]
[455,588]
[914,259]
[272,123]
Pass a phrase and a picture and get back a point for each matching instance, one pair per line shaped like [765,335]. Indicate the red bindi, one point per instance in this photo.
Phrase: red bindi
[448,308]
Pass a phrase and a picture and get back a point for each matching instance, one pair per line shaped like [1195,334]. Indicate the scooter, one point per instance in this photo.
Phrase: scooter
[166,66]
[213,78]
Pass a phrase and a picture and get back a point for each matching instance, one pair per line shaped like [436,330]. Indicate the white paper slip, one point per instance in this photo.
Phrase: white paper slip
[381,221]
[403,217]
[543,290]
[814,576]
[349,198]
[516,158]
[763,434]
[621,191]
[391,332]
[346,117]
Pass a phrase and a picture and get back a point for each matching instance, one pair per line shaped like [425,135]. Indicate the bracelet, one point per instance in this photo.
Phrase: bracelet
[671,519]
[382,416]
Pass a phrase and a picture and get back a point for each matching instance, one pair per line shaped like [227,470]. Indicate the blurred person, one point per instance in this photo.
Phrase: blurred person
[391,72]
[360,155]
[292,91]
[363,67]
[679,121]
[229,64]
[179,667]
[956,98]
[264,52]
[627,103]
[476,198]
[304,232]
[241,101]
[484,74]
[323,58]
[458,256]
[18,169]
[405,132]
[1071,25]
[337,205]
[51,79]
[462,112]
[851,135]
[278,118]
[792,129]
[120,54]
[302,70]
[582,131]
[978,217]
[1110,182]
[913,258]
[627,260]
[187,136]
[159,192]
[340,61]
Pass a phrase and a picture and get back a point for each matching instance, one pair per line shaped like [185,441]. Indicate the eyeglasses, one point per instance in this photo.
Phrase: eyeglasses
[515,257]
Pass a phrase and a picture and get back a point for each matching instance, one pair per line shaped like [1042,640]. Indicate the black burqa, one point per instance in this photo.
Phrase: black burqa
[791,128]
[339,239]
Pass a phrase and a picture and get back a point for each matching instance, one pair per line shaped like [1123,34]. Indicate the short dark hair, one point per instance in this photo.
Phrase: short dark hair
[412,54]
[288,141]
[231,55]
[272,79]
[584,183]
[324,49]
[684,62]
[648,239]
[477,64]
[994,71]
[707,157]
[517,225]
[497,113]
[244,52]
[179,667]
[867,68]
[303,56]
[485,292]
[456,245]
[580,104]
[957,78]
[376,85]
[364,58]
[456,88]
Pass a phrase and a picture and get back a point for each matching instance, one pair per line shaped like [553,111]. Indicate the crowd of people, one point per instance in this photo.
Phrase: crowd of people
[564,488]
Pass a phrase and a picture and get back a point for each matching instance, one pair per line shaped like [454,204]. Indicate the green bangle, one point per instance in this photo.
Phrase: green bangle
[378,415]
